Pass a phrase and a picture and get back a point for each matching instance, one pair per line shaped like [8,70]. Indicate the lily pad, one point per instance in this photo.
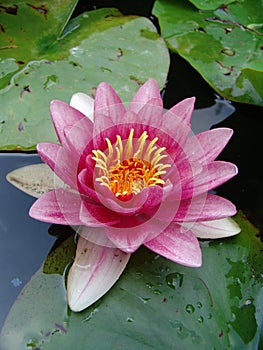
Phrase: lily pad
[224,45]
[156,304]
[60,58]
[210,4]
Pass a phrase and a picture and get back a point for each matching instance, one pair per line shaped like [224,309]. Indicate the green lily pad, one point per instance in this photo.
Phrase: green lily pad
[210,4]
[224,45]
[156,304]
[59,58]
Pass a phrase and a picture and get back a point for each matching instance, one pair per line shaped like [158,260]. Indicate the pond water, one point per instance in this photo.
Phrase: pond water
[24,241]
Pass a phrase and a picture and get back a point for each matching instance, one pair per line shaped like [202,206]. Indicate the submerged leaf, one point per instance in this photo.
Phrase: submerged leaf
[35,179]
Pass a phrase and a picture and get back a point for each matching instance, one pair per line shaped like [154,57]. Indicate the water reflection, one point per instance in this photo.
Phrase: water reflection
[24,241]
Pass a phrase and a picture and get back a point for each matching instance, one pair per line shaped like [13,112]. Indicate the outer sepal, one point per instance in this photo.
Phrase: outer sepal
[93,273]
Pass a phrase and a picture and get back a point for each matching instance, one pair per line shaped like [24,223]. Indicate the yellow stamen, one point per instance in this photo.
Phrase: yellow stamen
[127,168]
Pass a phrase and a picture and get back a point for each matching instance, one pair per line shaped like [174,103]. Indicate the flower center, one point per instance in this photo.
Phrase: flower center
[128,167]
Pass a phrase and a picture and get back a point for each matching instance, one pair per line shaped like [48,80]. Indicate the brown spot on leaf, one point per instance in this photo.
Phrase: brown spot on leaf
[60,328]
[20,126]
[8,47]
[228,52]
[20,62]
[200,29]
[226,70]
[93,91]
[119,55]
[41,9]
[2,28]
[221,334]
[229,29]
[137,80]
[26,89]
[11,10]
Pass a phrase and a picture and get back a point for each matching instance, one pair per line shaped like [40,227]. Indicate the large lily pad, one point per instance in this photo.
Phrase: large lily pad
[45,57]
[224,45]
[156,304]
[210,4]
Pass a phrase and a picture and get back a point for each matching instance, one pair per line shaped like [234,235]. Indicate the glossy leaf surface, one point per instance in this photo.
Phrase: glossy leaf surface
[224,44]
[156,304]
[60,58]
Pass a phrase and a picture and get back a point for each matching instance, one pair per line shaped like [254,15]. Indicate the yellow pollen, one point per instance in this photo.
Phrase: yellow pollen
[126,168]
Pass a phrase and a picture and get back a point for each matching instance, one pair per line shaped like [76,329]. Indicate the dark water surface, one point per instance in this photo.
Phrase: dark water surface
[24,242]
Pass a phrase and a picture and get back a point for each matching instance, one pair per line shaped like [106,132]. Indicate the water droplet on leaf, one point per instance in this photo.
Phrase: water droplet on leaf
[190,308]
[175,280]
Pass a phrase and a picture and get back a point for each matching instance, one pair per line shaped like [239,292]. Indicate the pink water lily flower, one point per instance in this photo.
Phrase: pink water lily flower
[133,175]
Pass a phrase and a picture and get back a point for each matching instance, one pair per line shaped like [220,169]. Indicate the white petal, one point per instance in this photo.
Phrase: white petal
[214,228]
[93,273]
[35,179]
[83,103]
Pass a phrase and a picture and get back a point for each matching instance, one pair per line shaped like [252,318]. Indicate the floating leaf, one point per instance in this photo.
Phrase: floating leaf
[211,4]
[100,45]
[156,304]
[224,45]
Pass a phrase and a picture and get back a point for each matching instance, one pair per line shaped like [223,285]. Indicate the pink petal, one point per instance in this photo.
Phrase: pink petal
[148,91]
[182,110]
[200,208]
[206,146]
[96,215]
[172,133]
[178,131]
[57,207]
[204,207]
[78,137]
[148,197]
[93,273]
[60,161]
[150,113]
[83,103]
[95,235]
[178,246]
[108,108]
[214,228]
[132,232]
[85,183]
[215,174]
[63,116]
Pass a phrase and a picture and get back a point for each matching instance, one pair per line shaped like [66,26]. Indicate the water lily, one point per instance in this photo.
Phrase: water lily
[130,176]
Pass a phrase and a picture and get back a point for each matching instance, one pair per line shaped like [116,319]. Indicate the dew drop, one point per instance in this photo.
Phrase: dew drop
[149,284]
[200,319]
[157,292]
[190,308]
[199,305]
[175,280]
[177,325]
[145,300]
[129,319]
